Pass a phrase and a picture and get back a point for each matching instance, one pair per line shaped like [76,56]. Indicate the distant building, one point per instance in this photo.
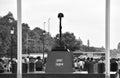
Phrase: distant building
[82,54]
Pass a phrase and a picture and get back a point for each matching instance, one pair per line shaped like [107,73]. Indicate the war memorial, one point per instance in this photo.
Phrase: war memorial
[59,61]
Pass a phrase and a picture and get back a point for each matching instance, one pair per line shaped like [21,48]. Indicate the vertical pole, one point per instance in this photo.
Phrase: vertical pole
[19,40]
[44,26]
[107,23]
[60,32]
[11,52]
[27,45]
[44,41]
[48,26]
[43,47]
[88,44]
[27,52]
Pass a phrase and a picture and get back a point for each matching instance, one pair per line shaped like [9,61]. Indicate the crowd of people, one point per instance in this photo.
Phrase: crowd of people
[89,64]
[30,64]
[5,65]
[92,65]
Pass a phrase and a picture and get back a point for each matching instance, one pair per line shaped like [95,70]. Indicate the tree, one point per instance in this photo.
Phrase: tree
[25,33]
[4,39]
[6,22]
[36,40]
[118,46]
[69,41]
[36,45]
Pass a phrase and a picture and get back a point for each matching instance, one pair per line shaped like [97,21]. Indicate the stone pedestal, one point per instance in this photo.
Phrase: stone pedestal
[59,61]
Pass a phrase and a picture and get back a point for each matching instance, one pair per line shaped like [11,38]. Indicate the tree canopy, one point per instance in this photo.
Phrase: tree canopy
[68,41]
[32,40]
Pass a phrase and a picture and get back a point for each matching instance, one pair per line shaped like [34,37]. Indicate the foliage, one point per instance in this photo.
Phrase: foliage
[37,37]
[69,41]
[118,46]
[32,40]
[25,32]
[85,48]
[6,23]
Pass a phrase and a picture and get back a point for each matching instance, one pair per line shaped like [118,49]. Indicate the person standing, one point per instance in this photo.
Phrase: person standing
[39,64]
[1,67]
[118,65]
[31,64]
[76,65]
[81,64]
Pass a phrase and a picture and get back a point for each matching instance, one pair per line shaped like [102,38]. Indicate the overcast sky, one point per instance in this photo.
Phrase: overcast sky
[85,18]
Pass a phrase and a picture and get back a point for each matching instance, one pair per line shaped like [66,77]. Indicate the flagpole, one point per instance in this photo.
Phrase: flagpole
[107,44]
[19,40]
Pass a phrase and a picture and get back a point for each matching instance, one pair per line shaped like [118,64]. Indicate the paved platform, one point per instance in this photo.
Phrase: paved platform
[42,74]
[54,75]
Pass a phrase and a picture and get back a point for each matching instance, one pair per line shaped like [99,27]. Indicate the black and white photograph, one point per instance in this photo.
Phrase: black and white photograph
[59,39]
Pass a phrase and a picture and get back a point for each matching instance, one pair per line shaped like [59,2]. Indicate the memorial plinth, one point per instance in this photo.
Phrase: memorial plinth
[59,61]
